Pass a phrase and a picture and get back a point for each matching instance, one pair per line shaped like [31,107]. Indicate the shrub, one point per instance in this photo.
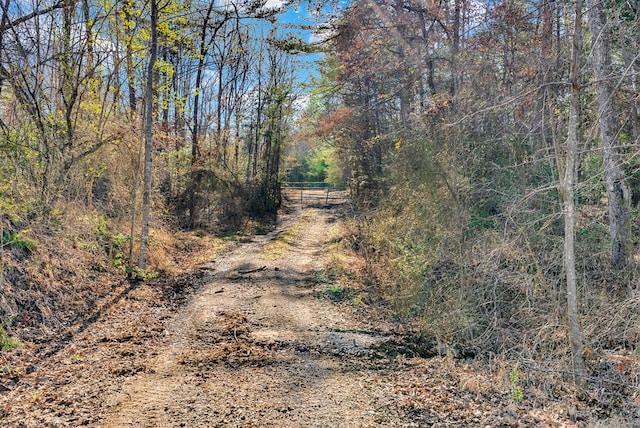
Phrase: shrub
[7,342]
[18,240]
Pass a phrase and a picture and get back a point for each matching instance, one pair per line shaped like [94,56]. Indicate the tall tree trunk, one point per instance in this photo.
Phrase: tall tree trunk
[455,45]
[178,110]
[148,137]
[195,135]
[630,46]
[89,22]
[617,191]
[220,147]
[404,75]
[567,185]
[166,93]
[428,58]
[133,105]
[545,70]
[127,10]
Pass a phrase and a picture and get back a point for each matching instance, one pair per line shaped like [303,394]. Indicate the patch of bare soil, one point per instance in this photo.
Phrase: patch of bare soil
[253,339]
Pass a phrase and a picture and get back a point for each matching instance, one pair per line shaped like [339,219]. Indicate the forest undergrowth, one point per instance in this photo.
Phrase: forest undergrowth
[492,154]
[480,300]
[63,261]
[498,297]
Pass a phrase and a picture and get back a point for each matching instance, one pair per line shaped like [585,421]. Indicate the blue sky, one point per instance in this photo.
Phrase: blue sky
[302,14]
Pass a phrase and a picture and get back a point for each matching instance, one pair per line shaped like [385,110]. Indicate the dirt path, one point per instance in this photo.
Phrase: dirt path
[251,339]
[259,346]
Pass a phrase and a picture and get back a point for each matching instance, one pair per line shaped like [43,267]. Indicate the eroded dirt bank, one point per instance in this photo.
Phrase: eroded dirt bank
[258,343]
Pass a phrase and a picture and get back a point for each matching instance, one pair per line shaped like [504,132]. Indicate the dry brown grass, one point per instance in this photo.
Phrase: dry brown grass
[500,293]
[176,252]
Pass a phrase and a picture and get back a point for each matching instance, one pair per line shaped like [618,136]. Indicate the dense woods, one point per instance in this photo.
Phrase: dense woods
[78,76]
[490,148]
[122,123]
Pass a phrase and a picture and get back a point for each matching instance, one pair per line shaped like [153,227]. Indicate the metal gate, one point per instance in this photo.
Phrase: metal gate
[314,194]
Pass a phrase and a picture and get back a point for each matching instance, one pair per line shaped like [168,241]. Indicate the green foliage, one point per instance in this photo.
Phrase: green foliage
[335,290]
[592,190]
[294,45]
[320,164]
[358,301]
[516,385]
[121,262]
[112,240]
[592,232]
[627,10]
[114,244]
[101,226]
[18,240]
[482,219]
[13,206]
[142,274]
[415,238]
[118,240]
[7,342]
[317,168]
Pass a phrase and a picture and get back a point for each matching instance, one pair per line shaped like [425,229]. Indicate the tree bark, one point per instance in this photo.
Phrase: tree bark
[127,10]
[567,185]
[545,74]
[148,137]
[455,45]
[617,190]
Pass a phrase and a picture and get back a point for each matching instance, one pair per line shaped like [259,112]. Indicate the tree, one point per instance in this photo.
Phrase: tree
[567,174]
[278,98]
[208,33]
[148,135]
[50,62]
[129,25]
[268,128]
[608,117]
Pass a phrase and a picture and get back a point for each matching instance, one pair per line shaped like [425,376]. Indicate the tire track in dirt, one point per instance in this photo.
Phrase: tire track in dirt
[261,346]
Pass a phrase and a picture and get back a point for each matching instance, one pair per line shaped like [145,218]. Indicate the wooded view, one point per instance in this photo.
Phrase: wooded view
[489,151]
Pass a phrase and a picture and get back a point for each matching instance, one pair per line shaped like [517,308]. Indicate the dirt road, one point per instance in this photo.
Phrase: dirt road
[259,346]
[251,338]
